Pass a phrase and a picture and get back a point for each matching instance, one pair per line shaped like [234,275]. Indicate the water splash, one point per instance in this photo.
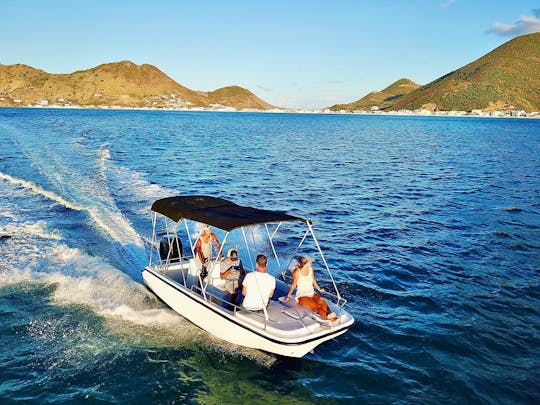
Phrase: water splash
[41,191]
[110,221]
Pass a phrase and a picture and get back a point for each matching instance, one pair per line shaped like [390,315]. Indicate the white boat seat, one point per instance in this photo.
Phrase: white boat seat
[295,308]
[214,275]
[297,311]
[194,267]
[213,278]
[302,310]
[280,321]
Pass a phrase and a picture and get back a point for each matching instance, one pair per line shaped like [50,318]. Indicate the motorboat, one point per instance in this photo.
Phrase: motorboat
[198,293]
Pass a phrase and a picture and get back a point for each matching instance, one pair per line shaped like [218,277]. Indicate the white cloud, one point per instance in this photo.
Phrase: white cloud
[525,25]
[447,3]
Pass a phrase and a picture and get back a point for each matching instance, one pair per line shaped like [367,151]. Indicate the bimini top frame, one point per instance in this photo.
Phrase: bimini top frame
[228,216]
[217,212]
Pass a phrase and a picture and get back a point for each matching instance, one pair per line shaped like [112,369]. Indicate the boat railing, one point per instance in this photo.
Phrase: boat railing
[338,300]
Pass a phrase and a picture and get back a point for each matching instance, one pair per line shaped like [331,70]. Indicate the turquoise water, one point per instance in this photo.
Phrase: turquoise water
[431,226]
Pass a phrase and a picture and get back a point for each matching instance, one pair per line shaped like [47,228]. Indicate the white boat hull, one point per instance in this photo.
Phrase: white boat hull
[230,326]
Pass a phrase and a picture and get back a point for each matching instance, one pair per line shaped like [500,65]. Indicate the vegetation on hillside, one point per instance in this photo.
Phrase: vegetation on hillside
[506,78]
[113,84]
[381,99]
[237,96]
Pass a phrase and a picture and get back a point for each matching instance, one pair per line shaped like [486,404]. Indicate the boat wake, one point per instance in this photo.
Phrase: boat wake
[96,273]
[34,254]
[126,306]
[130,185]
[111,222]
[41,191]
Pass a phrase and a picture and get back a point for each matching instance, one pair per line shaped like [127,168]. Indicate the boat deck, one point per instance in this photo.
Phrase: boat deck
[286,319]
[283,320]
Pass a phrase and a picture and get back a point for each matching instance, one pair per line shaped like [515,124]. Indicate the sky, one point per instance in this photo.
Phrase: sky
[294,53]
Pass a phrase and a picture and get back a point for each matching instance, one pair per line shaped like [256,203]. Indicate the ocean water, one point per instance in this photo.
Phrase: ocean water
[431,226]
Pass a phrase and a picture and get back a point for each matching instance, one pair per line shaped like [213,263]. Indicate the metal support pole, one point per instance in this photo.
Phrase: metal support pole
[323,259]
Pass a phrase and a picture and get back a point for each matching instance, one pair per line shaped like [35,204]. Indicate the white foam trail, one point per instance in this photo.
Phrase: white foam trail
[104,156]
[126,306]
[8,214]
[39,190]
[131,181]
[84,280]
[111,223]
[38,229]
[116,225]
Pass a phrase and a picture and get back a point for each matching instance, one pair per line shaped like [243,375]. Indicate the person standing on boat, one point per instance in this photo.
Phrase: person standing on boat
[232,271]
[203,246]
[304,281]
[258,286]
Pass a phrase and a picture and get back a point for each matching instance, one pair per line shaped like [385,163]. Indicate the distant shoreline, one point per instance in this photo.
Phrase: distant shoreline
[404,113]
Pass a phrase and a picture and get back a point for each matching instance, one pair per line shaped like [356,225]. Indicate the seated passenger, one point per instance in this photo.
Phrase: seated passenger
[258,286]
[232,270]
[303,281]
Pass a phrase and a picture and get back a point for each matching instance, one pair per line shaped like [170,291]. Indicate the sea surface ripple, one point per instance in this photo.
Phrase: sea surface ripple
[431,225]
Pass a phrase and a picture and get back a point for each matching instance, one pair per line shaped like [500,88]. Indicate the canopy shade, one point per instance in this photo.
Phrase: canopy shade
[216,212]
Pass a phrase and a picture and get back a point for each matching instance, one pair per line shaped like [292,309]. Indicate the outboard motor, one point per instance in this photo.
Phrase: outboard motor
[172,243]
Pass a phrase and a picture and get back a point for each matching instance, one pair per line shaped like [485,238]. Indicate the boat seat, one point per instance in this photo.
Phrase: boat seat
[193,267]
[214,275]
[219,296]
[282,320]
[293,307]
[213,278]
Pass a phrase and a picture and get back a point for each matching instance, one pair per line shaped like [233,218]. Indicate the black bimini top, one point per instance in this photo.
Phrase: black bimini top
[216,212]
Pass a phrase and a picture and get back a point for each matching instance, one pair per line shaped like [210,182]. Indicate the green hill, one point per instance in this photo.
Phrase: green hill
[382,99]
[506,78]
[114,84]
[239,97]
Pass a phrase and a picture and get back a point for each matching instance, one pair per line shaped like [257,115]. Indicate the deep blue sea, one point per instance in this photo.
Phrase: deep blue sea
[431,226]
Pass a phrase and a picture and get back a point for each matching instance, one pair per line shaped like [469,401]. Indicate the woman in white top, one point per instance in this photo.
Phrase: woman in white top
[304,281]
[203,246]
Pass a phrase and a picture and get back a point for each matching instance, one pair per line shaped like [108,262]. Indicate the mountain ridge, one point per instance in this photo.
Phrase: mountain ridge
[380,99]
[505,78]
[123,83]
